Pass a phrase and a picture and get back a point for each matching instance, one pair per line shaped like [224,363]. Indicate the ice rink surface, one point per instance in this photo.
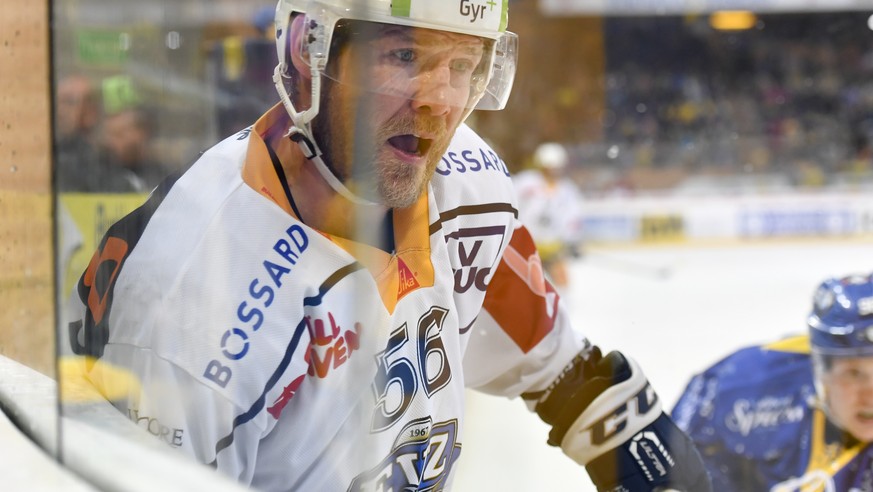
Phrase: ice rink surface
[675,310]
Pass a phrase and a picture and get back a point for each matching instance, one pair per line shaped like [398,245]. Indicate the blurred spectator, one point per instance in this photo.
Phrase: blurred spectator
[103,138]
[794,89]
[77,113]
[264,20]
[240,69]
[124,152]
[550,205]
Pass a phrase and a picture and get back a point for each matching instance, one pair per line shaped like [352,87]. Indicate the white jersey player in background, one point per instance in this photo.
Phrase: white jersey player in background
[550,206]
[304,307]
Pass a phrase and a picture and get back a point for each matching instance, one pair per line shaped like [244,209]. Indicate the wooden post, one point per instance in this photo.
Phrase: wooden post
[27,332]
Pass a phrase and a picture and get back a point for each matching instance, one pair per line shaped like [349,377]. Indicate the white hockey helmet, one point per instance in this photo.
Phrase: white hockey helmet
[490,81]
[550,155]
[490,87]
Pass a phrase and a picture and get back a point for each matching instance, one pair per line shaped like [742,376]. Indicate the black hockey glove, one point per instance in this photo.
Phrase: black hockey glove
[606,416]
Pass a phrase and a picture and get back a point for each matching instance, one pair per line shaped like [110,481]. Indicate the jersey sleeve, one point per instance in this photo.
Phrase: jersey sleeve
[523,338]
[694,414]
[167,402]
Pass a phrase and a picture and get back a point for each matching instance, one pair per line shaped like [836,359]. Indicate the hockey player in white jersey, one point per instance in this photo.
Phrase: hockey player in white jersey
[305,306]
[549,205]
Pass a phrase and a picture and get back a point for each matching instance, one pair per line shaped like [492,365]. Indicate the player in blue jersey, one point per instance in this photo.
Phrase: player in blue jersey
[796,414]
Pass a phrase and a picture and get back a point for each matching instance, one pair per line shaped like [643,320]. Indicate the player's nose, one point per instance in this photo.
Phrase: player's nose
[433,91]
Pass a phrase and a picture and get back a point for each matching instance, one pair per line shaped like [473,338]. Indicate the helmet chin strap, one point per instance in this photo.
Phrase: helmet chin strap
[301,133]
[313,154]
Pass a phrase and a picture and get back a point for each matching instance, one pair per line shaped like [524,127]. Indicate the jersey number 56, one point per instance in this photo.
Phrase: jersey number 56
[397,377]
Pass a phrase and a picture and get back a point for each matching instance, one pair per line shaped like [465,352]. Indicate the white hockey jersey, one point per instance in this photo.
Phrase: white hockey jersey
[294,360]
[552,212]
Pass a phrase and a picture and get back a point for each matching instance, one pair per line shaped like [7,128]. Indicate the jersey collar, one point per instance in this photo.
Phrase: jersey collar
[406,270]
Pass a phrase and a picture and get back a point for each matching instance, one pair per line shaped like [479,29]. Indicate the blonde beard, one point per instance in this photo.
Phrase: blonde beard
[387,181]
[400,185]
[397,184]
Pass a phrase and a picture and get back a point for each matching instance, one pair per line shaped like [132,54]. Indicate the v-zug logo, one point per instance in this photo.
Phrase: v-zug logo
[475,10]
[419,463]
[477,249]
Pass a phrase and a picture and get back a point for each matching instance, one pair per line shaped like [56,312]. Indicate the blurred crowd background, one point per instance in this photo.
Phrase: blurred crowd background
[646,107]
[643,104]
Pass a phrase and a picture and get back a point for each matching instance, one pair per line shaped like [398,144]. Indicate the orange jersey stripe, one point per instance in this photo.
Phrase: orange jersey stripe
[517,285]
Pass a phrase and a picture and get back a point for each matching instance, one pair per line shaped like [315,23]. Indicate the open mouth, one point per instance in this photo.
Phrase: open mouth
[411,144]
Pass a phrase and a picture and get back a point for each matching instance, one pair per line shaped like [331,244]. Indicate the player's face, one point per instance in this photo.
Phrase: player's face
[76,110]
[849,386]
[392,105]
[125,138]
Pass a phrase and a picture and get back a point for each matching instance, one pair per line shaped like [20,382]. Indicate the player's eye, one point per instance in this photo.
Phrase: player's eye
[405,55]
[857,376]
[462,65]
[852,376]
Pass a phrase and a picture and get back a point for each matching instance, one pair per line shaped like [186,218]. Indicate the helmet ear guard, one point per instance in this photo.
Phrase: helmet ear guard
[298,50]
[293,51]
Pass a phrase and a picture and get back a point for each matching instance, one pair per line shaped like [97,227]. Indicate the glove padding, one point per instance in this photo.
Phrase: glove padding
[606,417]
[659,457]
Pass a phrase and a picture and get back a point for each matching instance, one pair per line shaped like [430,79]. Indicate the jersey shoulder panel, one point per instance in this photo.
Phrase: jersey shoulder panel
[169,222]
[757,368]
[211,229]
[471,172]
[473,217]
[754,402]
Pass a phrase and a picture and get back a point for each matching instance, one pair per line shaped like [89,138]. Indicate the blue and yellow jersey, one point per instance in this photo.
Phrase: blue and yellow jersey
[754,418]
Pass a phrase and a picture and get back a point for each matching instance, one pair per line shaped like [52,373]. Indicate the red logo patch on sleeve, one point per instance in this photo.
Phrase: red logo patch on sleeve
[407,281]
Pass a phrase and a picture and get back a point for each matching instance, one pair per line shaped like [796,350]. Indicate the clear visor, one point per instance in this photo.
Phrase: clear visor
[428,66]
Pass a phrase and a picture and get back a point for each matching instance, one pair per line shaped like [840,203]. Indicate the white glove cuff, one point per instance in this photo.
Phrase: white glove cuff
[613,418]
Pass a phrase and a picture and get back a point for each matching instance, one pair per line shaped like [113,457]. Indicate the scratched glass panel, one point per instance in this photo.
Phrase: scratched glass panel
[140,89]
[691,139]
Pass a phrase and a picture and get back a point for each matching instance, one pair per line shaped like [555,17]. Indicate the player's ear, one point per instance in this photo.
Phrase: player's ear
[297,48]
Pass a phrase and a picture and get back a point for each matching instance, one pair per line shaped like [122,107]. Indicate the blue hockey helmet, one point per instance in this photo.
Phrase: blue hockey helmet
[841,322]
[841,326]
